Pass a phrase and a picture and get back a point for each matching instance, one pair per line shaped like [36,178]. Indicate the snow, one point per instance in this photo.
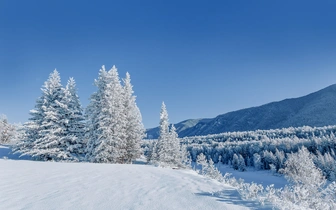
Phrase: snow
[50,185]
[262,177]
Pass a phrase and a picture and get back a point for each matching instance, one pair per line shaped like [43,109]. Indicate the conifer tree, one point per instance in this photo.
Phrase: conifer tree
[7,130]
[46,127]
[174,143]
[162,146]
[134,128]
[106,118]
[55,128]
[74,124]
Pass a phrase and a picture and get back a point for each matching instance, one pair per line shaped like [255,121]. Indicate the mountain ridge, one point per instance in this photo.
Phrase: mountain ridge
[315,109]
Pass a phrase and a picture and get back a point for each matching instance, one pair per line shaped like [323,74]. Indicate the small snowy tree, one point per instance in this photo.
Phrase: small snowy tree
[174,144]
[213,172]
[185,156]
[235,162]
[201,161]
[241,163]
[7,130]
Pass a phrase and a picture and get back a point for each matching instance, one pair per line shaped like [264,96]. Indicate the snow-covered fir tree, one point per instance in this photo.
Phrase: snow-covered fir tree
[106,120]
[161,147]
[7,130]
[235,162]
[202,162]
[134,128]
[167,149]
[46,129]
[74,123]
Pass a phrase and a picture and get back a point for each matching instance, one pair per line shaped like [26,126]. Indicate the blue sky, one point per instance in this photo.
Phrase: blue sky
[203,58]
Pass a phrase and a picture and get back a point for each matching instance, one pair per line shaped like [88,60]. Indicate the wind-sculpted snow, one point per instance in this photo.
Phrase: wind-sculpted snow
[50,185]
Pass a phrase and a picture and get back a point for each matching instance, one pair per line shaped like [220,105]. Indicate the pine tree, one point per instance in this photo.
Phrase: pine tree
[134,128]
[106,120]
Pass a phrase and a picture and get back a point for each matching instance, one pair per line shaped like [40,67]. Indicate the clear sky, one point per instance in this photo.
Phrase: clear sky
[203,58]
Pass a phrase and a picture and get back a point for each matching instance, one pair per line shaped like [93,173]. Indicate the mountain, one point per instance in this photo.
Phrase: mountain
[315,109]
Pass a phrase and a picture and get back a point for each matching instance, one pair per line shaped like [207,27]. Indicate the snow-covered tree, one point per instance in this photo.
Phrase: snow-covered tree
[213,172]
[46,127]
[74,124]
[201,161]
[134,128]
[106,120]
[7,130]
[167,149]
[241,163]
[162,145]
[174,143]
[54,130]
[235,162]
[307,180]
[185,156]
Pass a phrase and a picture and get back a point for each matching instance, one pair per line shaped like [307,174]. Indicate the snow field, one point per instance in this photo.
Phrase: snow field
[51,185]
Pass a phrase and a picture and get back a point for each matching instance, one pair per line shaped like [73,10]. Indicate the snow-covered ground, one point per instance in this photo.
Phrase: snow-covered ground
[251,175]
[28,184]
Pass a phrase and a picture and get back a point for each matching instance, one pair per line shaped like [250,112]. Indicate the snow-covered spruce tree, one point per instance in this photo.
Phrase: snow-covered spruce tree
[161,149]
[46,128]
[134,128]
[167,150]
[74,124]
[201,161]
[106,120]
[241,163]
[235,162]
[213,172]
[7,130]
[175,148]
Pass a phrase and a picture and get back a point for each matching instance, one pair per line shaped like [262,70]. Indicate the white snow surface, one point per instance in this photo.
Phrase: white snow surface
[37,185]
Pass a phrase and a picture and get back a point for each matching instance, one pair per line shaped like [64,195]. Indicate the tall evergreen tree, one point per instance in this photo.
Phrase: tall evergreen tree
[46,127]
[162,146]
[174,144]
[74,123]
[106,120]
[51,133]
[135,130]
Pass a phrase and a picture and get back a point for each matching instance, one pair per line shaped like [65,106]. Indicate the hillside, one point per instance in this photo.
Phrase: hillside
[49,185]
[315,109]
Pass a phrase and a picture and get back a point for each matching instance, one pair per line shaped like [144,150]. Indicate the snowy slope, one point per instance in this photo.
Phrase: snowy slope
[49,185]
[315,109]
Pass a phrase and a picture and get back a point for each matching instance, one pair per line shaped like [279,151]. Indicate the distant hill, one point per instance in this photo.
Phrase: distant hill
[315,109]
